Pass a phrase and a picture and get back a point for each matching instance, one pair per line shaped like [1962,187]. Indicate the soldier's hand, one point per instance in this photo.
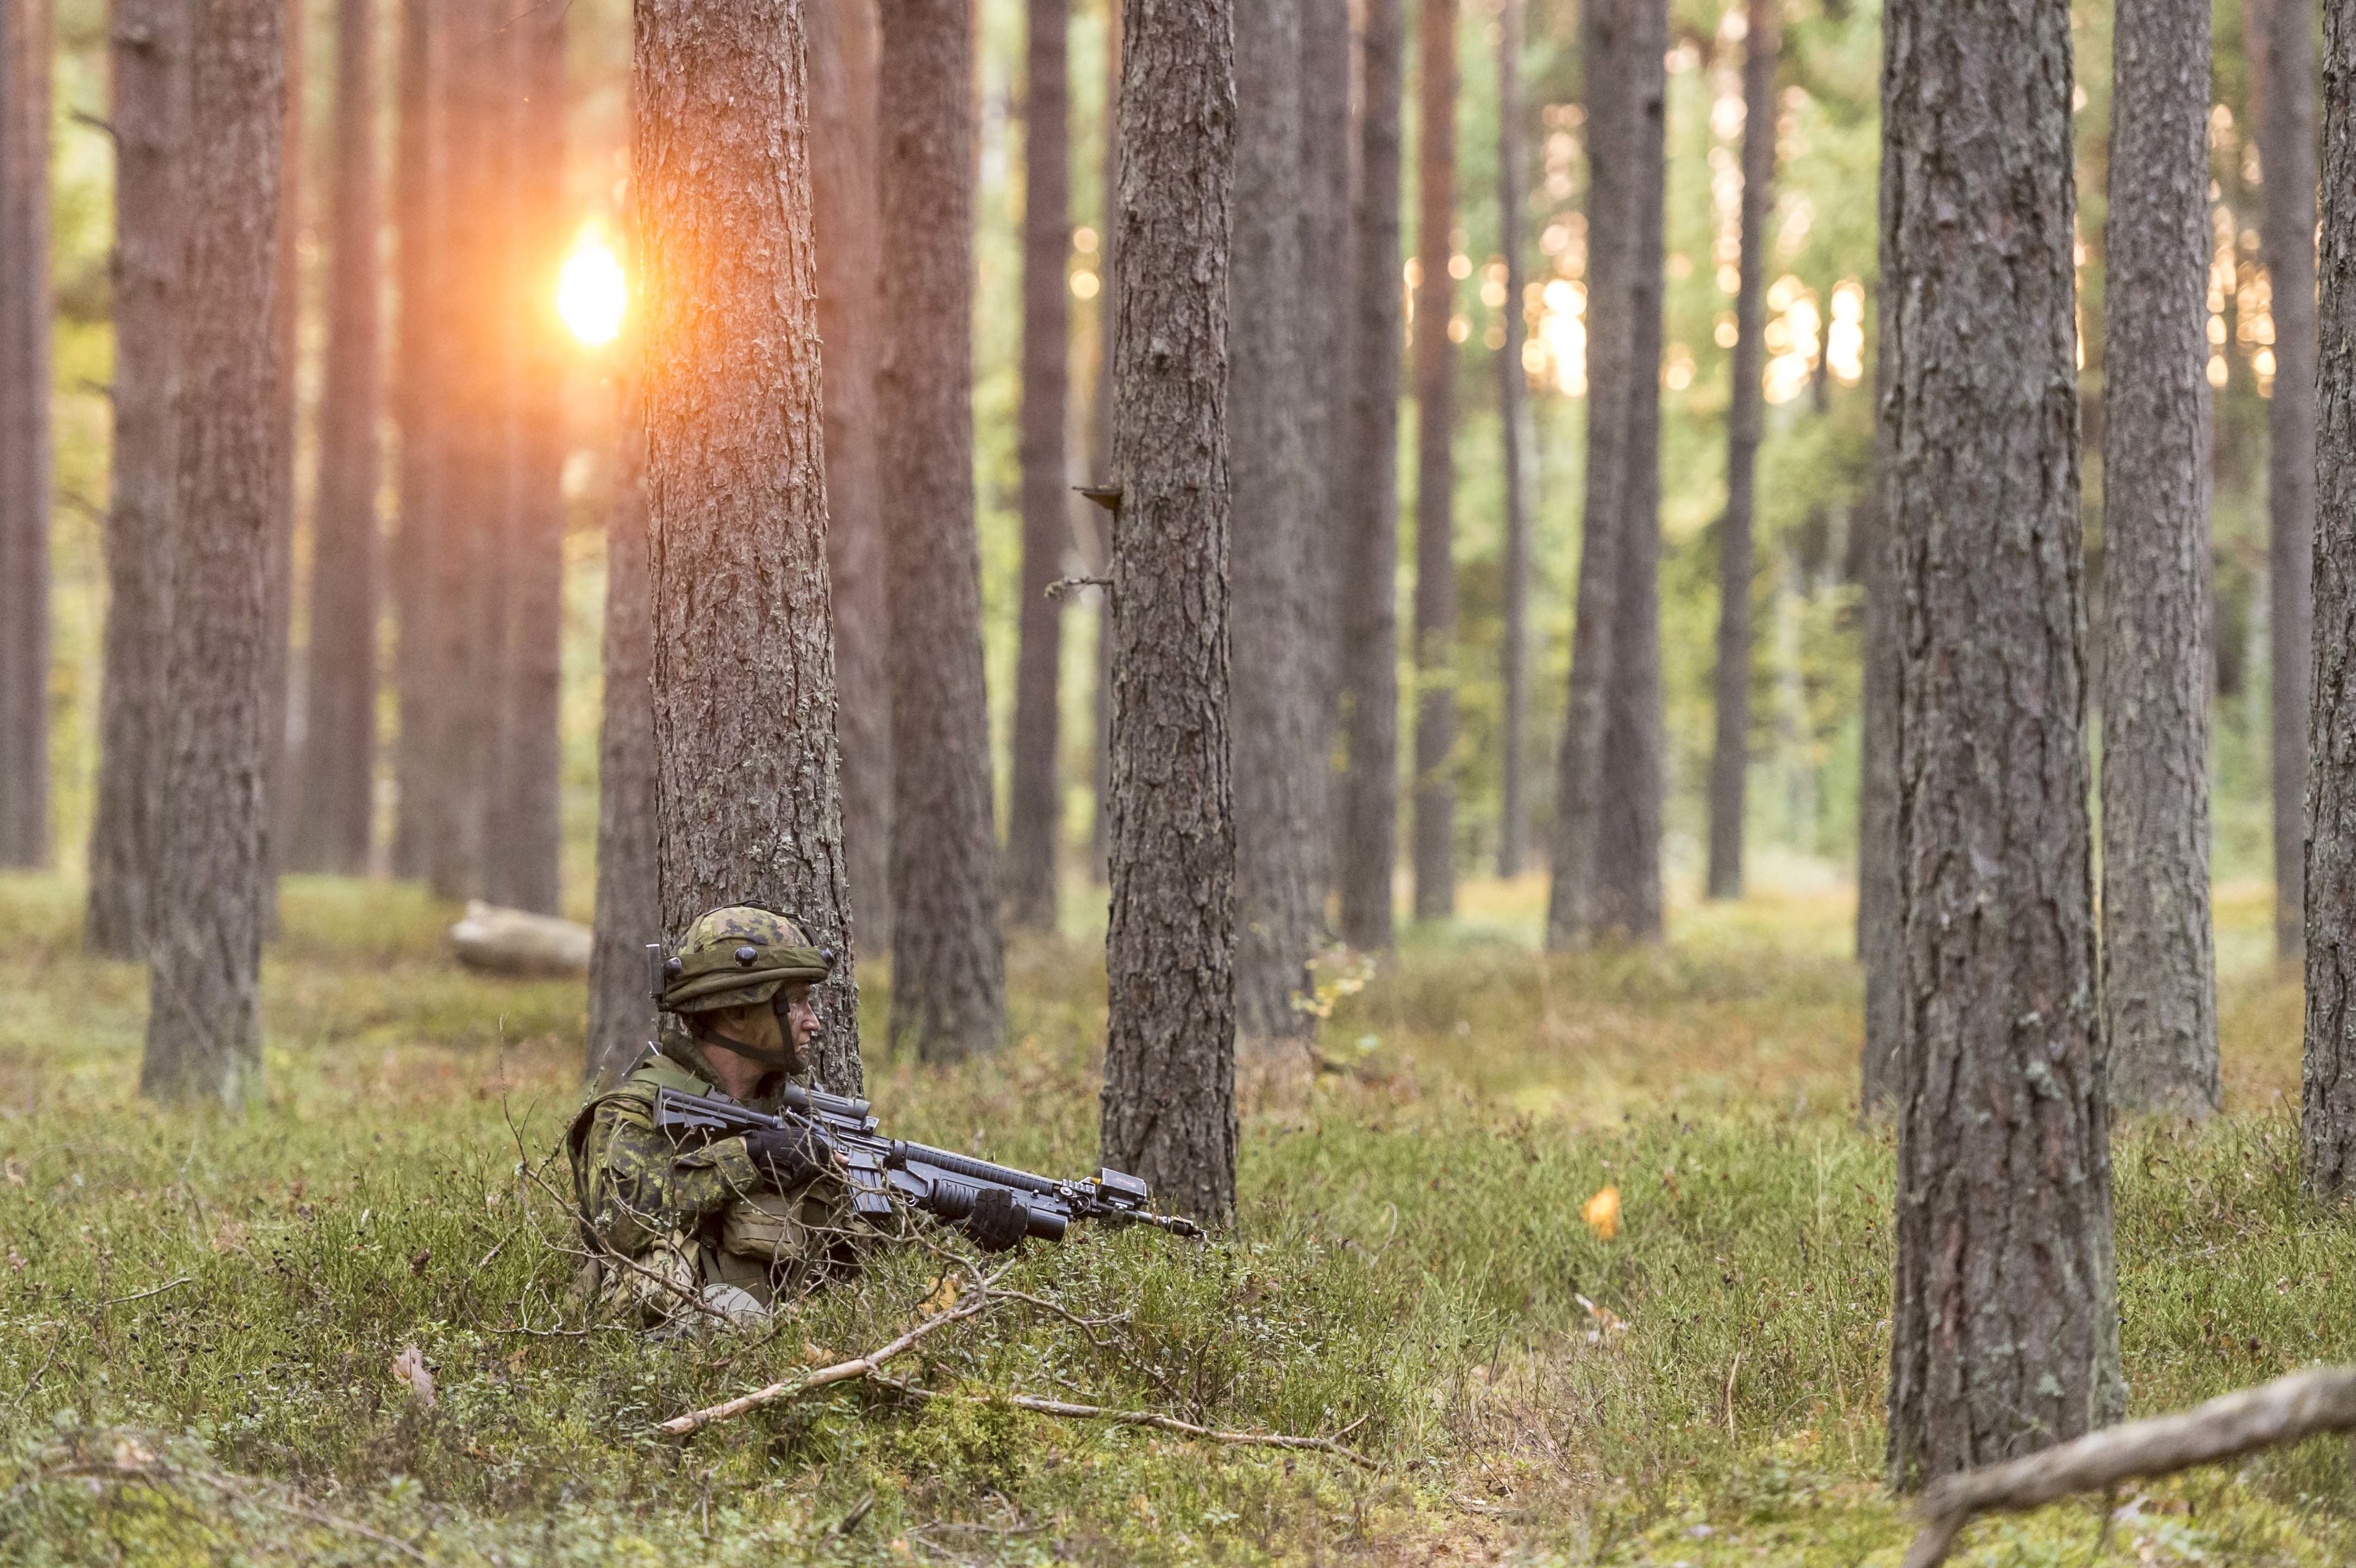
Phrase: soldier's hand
[789,1156]
[998,1220]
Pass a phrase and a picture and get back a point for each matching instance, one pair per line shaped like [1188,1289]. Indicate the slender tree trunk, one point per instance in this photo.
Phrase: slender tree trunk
[211,884]
[2005,1325]
[148,45]
[1170,1088]
[2159,972]
[280,768]
[1034,806]
[843,45]
[1628,841]
[1369,549]
[2286,153]
[1573,910]
[1435,482]
[417,181]
[747,802]
[1730,757]
[1279,897]
[949,970]
[1512,418]
[339,706]
[1326,245]
[26,56]
[1099,820]
[525,834]
[630,895]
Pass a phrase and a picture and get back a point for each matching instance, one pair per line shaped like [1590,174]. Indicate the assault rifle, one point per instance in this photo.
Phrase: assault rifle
[942,1183]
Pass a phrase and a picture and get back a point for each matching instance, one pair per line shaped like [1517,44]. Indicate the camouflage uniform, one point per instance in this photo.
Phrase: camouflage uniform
[704,1221]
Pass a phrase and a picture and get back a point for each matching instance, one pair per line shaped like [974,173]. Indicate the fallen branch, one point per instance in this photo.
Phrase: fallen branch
[2285,1411]
[142,1296]
[841,1372]
[1139,1418]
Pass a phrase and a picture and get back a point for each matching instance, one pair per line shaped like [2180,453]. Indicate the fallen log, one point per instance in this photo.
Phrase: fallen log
[2267,1416]
[515,941]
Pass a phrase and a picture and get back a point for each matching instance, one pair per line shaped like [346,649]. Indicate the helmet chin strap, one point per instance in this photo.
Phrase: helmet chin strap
[786,1060]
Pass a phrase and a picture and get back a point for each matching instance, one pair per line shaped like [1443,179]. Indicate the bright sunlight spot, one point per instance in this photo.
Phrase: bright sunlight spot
[591,292]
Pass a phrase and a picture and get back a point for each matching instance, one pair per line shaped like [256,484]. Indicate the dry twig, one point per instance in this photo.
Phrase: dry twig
[2284,1411]
[841,1372]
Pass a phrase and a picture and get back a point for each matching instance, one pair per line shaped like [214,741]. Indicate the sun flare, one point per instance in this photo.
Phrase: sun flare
[591,292]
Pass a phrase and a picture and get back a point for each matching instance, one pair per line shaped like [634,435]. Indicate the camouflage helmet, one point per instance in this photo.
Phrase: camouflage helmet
[740,955]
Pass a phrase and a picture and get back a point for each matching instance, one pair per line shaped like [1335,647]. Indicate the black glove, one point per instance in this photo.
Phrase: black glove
[998,1220]
[789,1156]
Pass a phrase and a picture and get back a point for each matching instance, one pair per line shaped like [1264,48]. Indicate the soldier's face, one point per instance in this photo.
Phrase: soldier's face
[801,1019]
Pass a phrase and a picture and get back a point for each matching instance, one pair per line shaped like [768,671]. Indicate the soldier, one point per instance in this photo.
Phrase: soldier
[725,1231]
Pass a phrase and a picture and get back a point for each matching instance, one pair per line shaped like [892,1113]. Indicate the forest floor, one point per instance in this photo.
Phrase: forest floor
[199,1316]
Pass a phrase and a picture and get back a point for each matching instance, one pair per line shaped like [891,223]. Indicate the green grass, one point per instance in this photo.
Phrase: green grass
[1405,1267]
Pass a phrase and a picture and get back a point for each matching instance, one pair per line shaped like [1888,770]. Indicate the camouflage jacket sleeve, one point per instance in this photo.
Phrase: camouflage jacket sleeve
[641,1185]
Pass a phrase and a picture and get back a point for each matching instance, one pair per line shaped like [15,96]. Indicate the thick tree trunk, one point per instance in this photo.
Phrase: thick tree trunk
[747,802]
[1628,840]
[1574,912]
[1100,819]
[2005,1325]
[1369,545]
[525,837]
[1512,417]
[204,1035]
[281,767]
[26,58]
[1434,852]
[843,44]
[949,970]
[629,894]
[2159,972]
[331,833]
[1280,896]
[1327,247]
[2287,154]
[1879,939]
[417,213]
[1034,803]
[1169,1090]
[147,49]
[1731,754]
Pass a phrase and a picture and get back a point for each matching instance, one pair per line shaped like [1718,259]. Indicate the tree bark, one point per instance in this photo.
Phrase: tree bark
[2287,154]
[417,179]
[524,839]
[147,49]
[26,58]
[1730,755]
[1327,243]
[747,802]
[1034,803]
[1100,819]
[1170,1093]
[280,768]
[1280,896]
[1879,939]
[948,970]
[2004,1331]
[2159,972]
[1434,852]
[1369,548]
[211,883]
[629,893]
[1520,449]
[1628,841]
[331,833]
[843,45]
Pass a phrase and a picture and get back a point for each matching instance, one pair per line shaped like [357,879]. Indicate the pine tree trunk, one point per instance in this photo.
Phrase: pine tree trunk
[2286,155]
[26,59]
[843,45]
[1034,801]
[2005,1325]
[1435,484]
[1369,547]
[339,705]
[629,897]
[417,180]
[747,802]
[1280,896]
[148,45]
[1512,418]
[525,837]
[1327,245]
[211,884]
[1100,819]
[1628,841]
[1170,1090]
[1879,939]
[1574,911]
[1731,754]
[949,970]
[280,769]
[2160,973]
